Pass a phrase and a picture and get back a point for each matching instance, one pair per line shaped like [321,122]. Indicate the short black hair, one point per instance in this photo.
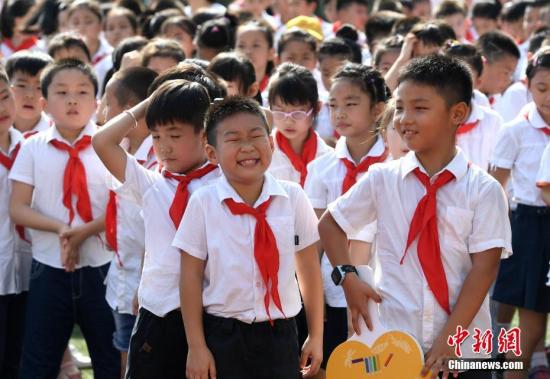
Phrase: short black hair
[380,25]
[226,108]
[53,69]
[487,9]
[125,46]
[429,33]
[27,62]
[161,47]
[178,101]
[513,11]
[293,84]
[234,67]
[450,77]
[181,22]
[367,78]
[132,84]
[342,4]
[540,61]
[193,73]
[295,34]
[405,25]
[449,8]
[393,43]
[4,75]
[467,53]
[537,39]
[495,45]
[68,40]
[335,47]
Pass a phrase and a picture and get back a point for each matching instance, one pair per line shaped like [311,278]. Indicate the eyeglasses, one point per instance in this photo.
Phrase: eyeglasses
[296,115]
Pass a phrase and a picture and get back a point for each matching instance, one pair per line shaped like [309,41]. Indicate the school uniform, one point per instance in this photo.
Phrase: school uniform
[543,181]
[124,232]
[287,165]
[7,48]
[102,62]
[481,99]
[476,137]
[324,185]
[323,124]
[57,298]
[512,100]
[159,324]
[12,288]
[409,279]
[237,321]
[519,148]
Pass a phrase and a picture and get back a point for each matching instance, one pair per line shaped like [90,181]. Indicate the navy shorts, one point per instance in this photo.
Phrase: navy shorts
[336,331]
[124,324]
[522,277]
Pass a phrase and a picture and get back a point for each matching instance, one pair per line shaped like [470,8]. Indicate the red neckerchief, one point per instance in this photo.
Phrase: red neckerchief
[299,162]
[26,44]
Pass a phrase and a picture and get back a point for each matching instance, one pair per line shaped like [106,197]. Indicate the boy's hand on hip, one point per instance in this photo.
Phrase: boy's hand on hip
[357,295]
[312,351]
[200,364]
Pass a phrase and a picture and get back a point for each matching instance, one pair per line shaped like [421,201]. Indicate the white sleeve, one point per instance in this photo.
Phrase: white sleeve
[315,188]
[23,167]
[543,177]
[357,207]
[305,222]
[492,205]
[138,181]
[506,149]
[191,234]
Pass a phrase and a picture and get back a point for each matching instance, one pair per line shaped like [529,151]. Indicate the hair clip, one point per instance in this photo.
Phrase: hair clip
[215,29]
[216,100]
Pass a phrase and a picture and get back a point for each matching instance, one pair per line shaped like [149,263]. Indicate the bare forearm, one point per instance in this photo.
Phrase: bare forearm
[546,195]
[191,303]
[25,216]
[393,73]
[334,240]
[311,287]
[94,227]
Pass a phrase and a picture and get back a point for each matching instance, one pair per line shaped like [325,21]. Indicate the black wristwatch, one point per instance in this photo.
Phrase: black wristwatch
[339,273]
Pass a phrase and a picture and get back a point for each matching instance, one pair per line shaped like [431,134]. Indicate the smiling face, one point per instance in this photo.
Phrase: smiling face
[26,89]
[351,110]
[7,107]
[71,99]
[424,119]
[539,86]
[243,148]
[178,147]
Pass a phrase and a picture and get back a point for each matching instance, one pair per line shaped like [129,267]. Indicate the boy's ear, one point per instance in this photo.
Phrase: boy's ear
[379,109]
[459,113]
[318,107]
[211,154]
[253,90]
[277,60]
[43,104]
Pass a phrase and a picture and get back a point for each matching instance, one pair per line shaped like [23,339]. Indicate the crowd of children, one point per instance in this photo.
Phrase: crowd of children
[194,183]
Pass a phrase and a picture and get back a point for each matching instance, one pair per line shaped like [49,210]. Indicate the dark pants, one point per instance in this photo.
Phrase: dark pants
[12,314]
[56,301]
[253,351]
[472,374]
[158,347]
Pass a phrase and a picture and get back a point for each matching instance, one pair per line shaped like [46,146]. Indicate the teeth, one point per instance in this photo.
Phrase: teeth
[247,162]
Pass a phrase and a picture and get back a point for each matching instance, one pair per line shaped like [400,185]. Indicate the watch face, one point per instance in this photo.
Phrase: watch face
[336,276]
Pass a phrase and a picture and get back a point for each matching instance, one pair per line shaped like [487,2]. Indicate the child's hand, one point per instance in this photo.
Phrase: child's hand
[135,305]
[408,48]
[436,360]
[200,364]
[70,240]
[357,295]
[313,351]
[131,59]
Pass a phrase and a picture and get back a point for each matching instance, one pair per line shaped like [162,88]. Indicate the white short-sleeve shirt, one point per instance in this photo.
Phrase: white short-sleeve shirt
[13,277]
[42,166]
[233,286]
[159,287]
[480,98]
[323,186]
[281,167]
[519,148]
[510,103]
[124,275]
[472,216]
[543,177]
[478,143]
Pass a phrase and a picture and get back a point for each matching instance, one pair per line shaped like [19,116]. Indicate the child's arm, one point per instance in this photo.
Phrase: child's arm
[502,175]
[22,214]
[106,141]
[71,238]
[474,290]
[404,57]
[545,191]
[357,292]
[308,270]
[200,362]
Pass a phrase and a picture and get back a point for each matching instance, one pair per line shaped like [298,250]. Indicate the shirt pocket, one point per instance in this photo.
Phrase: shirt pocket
[457,227]
[283,230]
